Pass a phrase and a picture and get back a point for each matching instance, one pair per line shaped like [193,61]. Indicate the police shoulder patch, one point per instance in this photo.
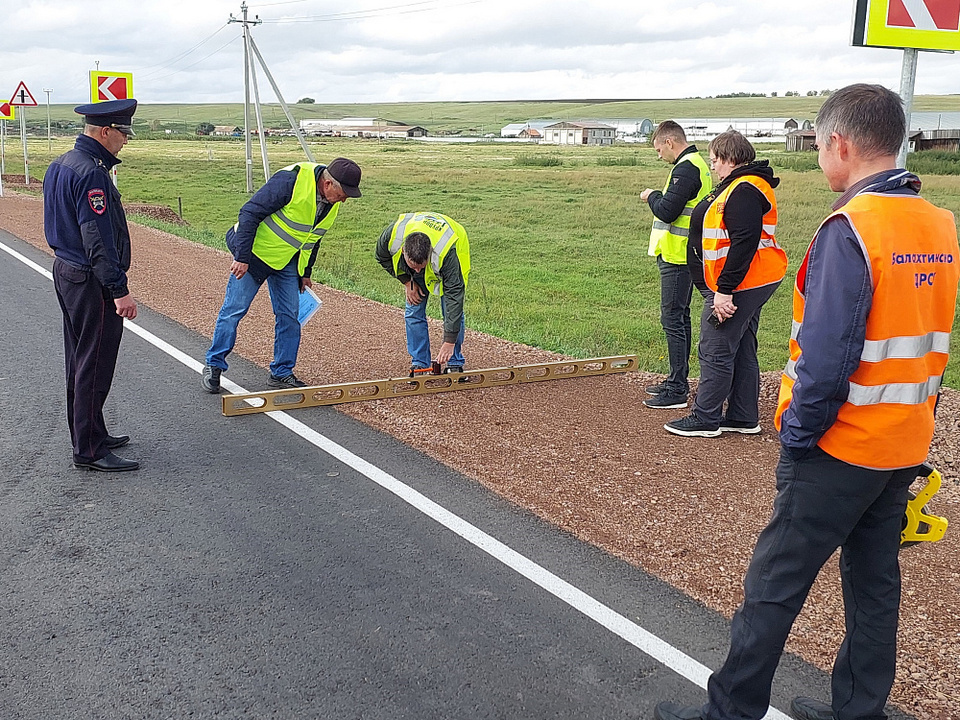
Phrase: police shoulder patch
[98,200]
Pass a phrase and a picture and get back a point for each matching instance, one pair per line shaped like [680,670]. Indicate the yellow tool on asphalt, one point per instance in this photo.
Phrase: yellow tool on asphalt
[919,525]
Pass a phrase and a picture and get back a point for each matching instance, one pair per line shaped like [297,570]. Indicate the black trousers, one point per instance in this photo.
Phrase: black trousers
[822,504]
[729,369]
[676,291]
[91,341]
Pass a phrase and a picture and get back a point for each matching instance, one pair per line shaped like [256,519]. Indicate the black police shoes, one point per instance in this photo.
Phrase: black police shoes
[290,381]
[211,379]
[108,463]
[672,711]
[115,441]
[804,708]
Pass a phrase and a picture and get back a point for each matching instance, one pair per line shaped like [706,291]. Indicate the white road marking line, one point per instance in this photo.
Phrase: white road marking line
[642,639]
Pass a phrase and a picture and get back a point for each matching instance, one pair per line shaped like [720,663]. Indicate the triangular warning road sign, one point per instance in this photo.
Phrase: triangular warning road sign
[21,97]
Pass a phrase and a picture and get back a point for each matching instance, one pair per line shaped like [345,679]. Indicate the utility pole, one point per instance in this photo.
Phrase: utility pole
[246,87]
[48,91]
[251,55]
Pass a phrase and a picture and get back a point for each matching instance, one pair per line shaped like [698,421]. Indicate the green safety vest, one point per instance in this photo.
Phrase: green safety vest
[670,239]
[444,235]
[290,229]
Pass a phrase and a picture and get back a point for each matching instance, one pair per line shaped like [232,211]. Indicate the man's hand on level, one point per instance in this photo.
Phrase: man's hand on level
[446,352]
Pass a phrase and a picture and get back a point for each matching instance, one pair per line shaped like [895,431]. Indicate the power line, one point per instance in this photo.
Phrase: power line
[163,64]
[187,67]
[285,2]
[404,9]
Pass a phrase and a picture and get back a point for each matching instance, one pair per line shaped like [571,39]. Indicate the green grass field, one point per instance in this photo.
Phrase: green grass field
[558,235]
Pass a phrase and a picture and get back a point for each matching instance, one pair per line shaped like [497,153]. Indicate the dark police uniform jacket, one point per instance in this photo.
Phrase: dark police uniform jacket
[83,218]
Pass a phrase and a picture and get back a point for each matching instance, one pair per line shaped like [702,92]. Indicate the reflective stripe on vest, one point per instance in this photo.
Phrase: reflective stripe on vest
[912,347]
[289,239]
[674,229]
[894,393]
[886,421]
[769,263]
[444,234]
[290,230]
[669,240]
[723,251]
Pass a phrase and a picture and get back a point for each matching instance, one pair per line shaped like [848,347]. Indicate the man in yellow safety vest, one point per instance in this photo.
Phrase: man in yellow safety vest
[689,182]
[429,254]
[276,240]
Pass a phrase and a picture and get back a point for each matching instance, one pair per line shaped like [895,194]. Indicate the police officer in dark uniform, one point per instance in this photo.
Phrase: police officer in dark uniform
[85,225]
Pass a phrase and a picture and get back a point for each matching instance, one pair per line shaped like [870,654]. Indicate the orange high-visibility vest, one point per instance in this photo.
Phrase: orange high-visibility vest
[769,264]
[886,422]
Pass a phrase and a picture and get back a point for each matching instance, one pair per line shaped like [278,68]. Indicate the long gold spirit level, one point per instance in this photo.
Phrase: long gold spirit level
[247,403]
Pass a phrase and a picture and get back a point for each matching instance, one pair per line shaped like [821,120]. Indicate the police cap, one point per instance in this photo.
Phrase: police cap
[112,113]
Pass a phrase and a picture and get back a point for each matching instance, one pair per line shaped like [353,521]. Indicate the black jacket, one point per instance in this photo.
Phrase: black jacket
[684,186]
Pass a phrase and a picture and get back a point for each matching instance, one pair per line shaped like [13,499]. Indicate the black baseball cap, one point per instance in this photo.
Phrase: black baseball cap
[347,173]
[112,113]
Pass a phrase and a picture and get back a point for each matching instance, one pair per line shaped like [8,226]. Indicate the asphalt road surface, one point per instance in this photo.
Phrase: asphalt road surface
[296,567]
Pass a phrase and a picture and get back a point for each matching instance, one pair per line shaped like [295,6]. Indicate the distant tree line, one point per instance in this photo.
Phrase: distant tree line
[788,93]
[740,95]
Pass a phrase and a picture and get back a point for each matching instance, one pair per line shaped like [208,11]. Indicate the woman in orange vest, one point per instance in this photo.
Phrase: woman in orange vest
[736,263]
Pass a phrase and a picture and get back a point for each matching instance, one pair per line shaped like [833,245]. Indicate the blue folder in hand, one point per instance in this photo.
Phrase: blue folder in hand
[309,304]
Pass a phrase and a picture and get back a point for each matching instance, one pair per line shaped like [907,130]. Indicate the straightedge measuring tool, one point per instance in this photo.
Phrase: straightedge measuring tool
[249,403]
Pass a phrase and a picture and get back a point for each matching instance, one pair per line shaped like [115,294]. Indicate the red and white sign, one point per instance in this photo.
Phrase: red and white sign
[108,85]
[924,14]
[21,97]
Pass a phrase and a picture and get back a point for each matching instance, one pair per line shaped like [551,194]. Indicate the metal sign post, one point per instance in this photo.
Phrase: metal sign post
[908,78]
[49,143]
[7,112]
[23,139]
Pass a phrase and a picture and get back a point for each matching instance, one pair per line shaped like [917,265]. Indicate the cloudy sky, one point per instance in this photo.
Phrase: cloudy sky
[371,51]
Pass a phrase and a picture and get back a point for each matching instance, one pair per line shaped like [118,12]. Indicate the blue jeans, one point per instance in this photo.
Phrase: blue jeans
[418,335]
[284,288]
[676,289]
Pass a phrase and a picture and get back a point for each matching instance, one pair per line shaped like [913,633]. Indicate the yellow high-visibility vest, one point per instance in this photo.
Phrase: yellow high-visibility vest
[444,234]
[291,229]
[669,240]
